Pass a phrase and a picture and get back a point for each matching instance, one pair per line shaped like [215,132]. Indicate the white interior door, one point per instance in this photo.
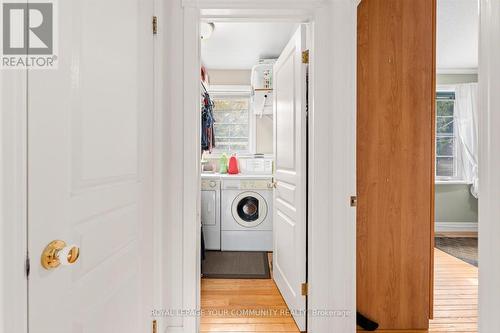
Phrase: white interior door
[290,137]
[90,171]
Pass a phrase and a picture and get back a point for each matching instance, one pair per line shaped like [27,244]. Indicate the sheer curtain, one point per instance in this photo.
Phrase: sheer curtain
[466,116]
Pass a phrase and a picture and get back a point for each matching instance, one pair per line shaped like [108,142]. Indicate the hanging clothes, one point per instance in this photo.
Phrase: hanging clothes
[207,123]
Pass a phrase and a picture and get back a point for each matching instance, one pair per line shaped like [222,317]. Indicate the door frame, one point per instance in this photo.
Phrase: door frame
[331,278]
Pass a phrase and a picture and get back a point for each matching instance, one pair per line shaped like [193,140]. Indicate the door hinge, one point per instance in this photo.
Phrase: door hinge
[354,201]
[154,326]
[155,25]
[304,288]
[305,57]
[27,266]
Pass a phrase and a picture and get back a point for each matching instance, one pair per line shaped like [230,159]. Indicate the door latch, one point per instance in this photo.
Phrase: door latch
[155,25]
[304,289]
[305,57]
[354,201]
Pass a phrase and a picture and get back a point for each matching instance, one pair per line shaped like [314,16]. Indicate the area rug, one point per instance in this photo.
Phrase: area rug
[463,248]
[235,265]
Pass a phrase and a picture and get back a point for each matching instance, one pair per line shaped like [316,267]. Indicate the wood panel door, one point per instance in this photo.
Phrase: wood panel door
[395,163]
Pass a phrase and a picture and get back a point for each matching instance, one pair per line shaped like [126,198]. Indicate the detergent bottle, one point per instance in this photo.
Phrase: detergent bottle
[223,164]
[233,165]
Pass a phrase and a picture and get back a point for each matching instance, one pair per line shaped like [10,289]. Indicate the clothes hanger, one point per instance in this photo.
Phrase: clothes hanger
[204,88]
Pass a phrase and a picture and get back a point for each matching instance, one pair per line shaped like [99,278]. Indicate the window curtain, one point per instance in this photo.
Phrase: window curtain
[466,116]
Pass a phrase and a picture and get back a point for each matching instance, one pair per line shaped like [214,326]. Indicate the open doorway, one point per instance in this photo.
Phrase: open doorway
[456,183]
[253,175]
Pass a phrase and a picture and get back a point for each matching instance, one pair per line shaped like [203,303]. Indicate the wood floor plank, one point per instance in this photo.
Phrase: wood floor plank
[242,305]
[456,295]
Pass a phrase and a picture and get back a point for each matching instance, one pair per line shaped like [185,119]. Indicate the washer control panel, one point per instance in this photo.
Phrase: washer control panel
[210,184]
[247,184]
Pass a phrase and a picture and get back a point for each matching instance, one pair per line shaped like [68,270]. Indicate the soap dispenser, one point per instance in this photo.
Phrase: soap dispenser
[223,163]
[233,165]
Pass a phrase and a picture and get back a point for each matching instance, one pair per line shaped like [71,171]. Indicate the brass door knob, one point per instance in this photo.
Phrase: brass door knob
[59,253]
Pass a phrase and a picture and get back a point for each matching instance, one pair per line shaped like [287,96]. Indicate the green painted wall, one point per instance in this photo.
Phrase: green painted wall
[454,203]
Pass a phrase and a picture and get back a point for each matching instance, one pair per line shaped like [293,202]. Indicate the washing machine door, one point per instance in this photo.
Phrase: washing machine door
[249,209]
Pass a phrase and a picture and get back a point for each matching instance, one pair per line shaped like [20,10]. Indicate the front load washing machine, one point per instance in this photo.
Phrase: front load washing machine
[247,213]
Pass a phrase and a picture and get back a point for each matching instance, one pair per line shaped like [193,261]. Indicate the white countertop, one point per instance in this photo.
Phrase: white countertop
[238,176]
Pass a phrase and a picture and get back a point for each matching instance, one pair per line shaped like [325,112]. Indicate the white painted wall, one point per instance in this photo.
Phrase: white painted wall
[457,35]
[229,76]
[264,135]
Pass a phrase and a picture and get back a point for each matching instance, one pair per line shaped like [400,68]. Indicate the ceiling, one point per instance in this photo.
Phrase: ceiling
[457,35]
[240,45]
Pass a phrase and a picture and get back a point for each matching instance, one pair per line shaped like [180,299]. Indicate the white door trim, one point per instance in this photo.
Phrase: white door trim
[489,164]
[331,256]
[13,202]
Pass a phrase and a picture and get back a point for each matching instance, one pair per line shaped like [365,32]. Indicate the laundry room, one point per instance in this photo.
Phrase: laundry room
[247,195]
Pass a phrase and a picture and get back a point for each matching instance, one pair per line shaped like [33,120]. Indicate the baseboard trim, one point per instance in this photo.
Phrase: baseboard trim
[456,227]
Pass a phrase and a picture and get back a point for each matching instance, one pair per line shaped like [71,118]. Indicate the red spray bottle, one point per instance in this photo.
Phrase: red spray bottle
[233,166]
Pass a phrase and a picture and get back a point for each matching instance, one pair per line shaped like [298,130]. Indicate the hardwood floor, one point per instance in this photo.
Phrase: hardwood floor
[243,306]
[223,302]
[455,295]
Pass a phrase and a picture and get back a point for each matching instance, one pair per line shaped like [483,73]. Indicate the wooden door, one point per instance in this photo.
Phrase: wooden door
[289,213]
[90,171]
[395,163]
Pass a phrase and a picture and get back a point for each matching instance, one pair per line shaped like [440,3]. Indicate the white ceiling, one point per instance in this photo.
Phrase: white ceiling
[457,35]
[240,45]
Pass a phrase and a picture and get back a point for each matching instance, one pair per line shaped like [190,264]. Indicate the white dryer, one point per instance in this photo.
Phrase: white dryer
[246,213]
[210,211]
